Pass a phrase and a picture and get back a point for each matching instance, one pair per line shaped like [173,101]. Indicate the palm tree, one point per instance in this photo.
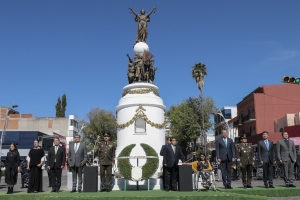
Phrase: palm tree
[198,72]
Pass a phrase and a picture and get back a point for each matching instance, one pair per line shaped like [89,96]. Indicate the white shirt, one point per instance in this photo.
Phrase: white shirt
[78,144]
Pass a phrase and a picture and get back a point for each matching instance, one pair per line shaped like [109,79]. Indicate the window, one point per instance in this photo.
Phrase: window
[227,114]
[74,123]
[140,125]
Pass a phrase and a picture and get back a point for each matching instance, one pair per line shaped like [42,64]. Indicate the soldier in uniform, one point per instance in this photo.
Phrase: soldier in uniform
[245,154]
[106,161]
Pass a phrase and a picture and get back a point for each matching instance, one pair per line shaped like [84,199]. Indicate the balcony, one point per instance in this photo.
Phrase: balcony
[248,118]
[237,123]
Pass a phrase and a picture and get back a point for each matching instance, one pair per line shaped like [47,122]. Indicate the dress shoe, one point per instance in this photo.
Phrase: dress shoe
[103,190]
[292,185]
[108,190]
[287,185]
[73,191]
[229,187]
[53,190]
[271,186]
[249,186]
[245,187]
[226,186]
[267,186]
[79,191]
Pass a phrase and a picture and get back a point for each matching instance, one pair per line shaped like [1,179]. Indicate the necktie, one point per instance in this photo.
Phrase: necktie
[106,143]
[55,150]
[267,144]
[174,149]
[225,141]
[287,143]
[76,148]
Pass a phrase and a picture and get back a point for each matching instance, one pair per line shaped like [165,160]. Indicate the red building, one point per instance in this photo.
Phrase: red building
[258,110]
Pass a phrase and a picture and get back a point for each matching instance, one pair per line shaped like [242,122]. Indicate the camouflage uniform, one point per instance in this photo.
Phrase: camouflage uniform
[246,154]
[106,158]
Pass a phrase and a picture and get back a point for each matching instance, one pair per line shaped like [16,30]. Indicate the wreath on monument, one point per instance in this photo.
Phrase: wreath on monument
[150,167]
[140,114]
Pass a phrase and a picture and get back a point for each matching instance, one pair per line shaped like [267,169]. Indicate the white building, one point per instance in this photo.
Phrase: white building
[224,120]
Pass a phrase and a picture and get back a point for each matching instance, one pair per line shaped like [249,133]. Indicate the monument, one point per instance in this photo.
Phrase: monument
[141,118]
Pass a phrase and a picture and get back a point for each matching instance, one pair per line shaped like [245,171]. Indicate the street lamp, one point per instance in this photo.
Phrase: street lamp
[5,126]
[95,146]
[226,124]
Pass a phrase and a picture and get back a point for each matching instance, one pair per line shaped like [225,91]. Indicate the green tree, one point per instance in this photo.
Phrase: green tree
[198,72]
[58,107]
[63,105]
[186,119]
[98,122]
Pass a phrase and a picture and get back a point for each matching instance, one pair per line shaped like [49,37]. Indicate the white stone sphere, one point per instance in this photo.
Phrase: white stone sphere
[140,47]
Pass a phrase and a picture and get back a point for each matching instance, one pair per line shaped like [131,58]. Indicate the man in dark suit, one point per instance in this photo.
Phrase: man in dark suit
[225,152]
[286,153]
[172,154]
[168,141]
[266,156]
[56,161]
[77,159]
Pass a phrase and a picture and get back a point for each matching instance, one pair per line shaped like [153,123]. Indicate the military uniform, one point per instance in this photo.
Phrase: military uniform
[106,158]
[246,154]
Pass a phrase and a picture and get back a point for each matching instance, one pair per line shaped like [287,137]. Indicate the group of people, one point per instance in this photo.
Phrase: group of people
[226,154]
[56,160]
[285,150]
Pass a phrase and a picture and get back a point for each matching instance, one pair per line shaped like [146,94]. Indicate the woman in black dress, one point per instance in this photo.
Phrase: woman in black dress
[35,162]
[12,163]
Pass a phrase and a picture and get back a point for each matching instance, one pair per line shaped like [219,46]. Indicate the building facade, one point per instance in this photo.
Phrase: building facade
[65,126]
[258,110]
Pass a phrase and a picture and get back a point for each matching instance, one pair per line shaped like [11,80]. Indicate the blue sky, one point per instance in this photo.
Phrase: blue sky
[48,48]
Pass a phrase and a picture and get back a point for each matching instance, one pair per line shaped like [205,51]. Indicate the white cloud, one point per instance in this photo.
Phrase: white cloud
[286,55]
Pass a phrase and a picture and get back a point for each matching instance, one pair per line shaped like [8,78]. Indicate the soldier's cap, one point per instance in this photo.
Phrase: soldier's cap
[106,134]
[244,136]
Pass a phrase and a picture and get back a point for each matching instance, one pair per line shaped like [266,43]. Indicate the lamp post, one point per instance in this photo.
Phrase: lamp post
[5,126]
[95,146]
[226,124]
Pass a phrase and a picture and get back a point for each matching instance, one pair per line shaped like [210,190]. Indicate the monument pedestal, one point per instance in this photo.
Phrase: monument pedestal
[141,119]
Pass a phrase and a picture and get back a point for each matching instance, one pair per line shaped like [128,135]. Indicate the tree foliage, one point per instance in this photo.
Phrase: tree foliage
[98,122]
[61,106]
[186,119]
[198,72]
[58,107]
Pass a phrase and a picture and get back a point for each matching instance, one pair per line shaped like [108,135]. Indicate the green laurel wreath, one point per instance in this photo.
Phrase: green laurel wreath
[148,169]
